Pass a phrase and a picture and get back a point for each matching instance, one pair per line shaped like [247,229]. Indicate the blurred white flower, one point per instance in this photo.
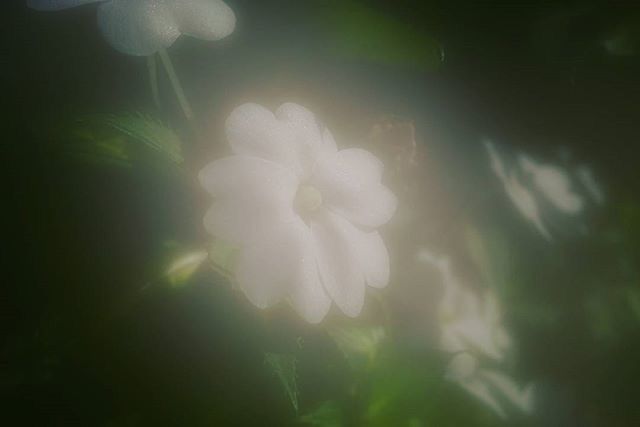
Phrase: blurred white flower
[490,386]
[472,331]
[542,192]
[469,321]
[588,180]
[143,27]
[554,184]
[522,198]
[303,213]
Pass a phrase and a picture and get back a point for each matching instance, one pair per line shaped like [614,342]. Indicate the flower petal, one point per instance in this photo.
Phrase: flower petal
[350,183]
[251,194]
[237,221]
[312,140]
[205,19]
[370,207]
[57,4]
[374,259]
[137,27]
[254,131]
[526,203]
[267,264]
[302,117]
[338,262]
[249,177]
[308,296]
[554,184]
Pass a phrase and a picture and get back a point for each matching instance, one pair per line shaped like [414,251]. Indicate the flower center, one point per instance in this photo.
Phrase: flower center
[307,199]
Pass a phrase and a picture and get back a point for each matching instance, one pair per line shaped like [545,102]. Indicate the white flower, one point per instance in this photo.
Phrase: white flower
[491,387]
[522,198]
[469,321]
[471,329]
[143,27]
[545,193]
[554,184]
[303,213]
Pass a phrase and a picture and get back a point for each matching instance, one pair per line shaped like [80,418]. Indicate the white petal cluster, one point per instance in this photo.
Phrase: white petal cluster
[471,329]
[143,27]
[303,213]
[539,191]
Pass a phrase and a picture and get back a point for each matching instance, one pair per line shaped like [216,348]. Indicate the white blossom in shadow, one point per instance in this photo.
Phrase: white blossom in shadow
[143,27]
[541,192]
[472,331]
[588,180]
[303,213]
[554,184]
[491,387]
[521,198]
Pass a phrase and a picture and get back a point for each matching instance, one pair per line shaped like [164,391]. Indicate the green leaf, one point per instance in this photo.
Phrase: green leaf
[328,414]
[184,266]
[151,132]
[357,31]
[360,345]
[284,367]
[89,144]
[111,139]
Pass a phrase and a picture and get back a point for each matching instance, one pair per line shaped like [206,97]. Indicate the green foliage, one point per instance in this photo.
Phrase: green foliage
[115,139]
[328,414]
[360,345]
[359,32]
[149,131]
[284,367]
[86,143]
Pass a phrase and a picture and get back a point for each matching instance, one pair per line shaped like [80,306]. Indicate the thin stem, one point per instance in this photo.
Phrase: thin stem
[175,83]
[153,79]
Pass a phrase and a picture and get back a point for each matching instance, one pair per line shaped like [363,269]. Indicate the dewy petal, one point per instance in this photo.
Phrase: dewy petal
[304,119]
[363,167]
[338,262]
[238,220]
[372,255]
[245,176]
[374,260]
[254,131]
[205,19]
[328,141]
[368,207]
[251,194]
[313,141]
[308,296]
[350,184]
[57,4]
[137,27]
[267,264]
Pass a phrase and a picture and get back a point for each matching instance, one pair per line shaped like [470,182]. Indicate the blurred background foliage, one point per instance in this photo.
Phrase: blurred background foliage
[115,318]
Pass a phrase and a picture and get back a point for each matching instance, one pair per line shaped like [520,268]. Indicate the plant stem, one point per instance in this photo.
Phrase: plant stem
[153,79]
[175,83]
